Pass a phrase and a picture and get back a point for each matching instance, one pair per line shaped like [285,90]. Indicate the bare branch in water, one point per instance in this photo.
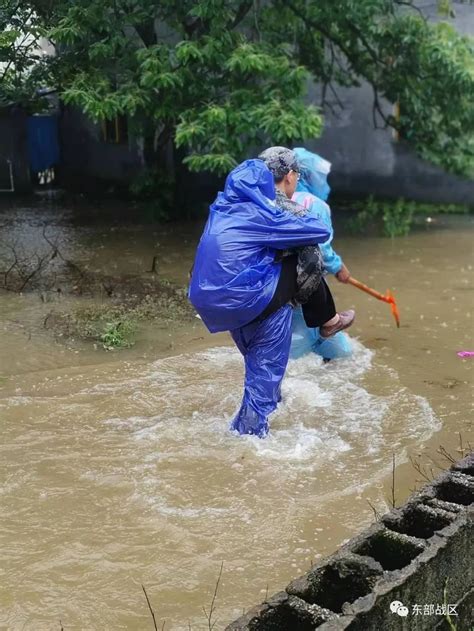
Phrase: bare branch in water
[393,480]
[442,451]
[209,615]
[150,608]
[374,510]
[57,252]
[419,468]
[27,269]
[449,459]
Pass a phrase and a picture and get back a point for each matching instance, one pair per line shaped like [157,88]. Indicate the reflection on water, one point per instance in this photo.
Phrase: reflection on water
[118,469]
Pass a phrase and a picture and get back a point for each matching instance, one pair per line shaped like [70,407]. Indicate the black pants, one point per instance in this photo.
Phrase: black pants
[316,311]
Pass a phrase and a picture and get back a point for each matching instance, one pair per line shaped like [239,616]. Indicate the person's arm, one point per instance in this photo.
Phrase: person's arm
[343,274]
[285,231]
[332,261]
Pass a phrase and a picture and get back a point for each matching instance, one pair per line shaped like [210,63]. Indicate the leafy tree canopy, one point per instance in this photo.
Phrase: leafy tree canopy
[219,76]
[21,68]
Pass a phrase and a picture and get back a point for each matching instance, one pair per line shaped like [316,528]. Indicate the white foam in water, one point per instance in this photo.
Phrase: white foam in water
[299,444]
[193,513]
[329,436]
[326,413]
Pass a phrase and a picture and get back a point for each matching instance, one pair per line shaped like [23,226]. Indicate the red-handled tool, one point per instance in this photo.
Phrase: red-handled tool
[388,297]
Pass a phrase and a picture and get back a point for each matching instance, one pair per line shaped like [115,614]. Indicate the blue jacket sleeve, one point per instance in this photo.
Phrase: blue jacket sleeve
[331,260]
[286,231]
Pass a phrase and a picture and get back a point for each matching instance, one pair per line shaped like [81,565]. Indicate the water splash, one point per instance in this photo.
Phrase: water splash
[141,455]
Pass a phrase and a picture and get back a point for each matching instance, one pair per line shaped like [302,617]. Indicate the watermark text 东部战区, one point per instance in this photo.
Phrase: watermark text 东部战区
[426,609]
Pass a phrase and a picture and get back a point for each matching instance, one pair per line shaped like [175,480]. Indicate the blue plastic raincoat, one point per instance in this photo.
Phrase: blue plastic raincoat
[312,192]
[235,276]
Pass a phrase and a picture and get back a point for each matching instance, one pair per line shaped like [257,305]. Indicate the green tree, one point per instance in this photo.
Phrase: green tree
[22,67]
[186,71]
[426,68]
[217,77]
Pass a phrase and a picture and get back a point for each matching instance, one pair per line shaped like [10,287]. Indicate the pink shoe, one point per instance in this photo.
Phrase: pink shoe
[346,318]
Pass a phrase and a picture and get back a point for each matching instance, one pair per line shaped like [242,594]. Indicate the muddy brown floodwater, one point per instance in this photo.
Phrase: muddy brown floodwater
[117,468]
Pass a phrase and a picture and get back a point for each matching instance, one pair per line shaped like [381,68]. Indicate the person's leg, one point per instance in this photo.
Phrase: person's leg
[320,307]
[266,347]
[320,311]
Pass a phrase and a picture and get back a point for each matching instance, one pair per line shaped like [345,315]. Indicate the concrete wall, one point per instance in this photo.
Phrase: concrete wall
[411,556]
[367,160]
[87,160]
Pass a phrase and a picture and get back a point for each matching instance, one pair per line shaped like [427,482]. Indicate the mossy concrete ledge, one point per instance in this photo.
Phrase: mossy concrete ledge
[420,555]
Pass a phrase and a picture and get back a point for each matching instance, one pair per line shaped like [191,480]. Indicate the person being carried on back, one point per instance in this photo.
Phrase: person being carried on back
[241,284]
[305,277]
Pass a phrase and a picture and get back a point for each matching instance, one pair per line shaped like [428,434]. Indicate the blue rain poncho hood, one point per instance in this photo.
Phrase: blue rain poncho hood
[314,172]
[235,273]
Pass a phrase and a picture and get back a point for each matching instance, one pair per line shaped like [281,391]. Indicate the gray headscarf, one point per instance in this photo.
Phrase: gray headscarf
[280,161]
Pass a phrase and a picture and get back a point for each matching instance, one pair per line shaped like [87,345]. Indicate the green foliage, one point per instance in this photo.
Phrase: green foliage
[427,68]
[204,81]
[115,323]
[22,66]
[366,215]
[118,334]
[219,77]
[445,8]
[424,208]
[435,88]
[395,218]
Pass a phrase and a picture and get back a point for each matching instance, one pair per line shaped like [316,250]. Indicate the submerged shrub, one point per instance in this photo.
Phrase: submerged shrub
[395,218]
[118,334]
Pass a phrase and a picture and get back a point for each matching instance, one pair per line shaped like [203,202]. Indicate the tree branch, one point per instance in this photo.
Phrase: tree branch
[410,5]
[18,47]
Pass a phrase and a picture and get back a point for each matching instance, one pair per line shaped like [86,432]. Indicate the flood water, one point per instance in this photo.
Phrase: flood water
[117,469]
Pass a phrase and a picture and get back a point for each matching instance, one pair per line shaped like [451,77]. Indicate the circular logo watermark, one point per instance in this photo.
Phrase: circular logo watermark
[399,608]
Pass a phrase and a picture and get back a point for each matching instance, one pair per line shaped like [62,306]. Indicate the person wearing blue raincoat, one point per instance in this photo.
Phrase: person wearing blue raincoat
[312,192]
[235,276]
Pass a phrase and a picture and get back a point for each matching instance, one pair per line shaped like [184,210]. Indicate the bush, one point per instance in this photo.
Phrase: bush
[394,219]
[397,218]
[118,334]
